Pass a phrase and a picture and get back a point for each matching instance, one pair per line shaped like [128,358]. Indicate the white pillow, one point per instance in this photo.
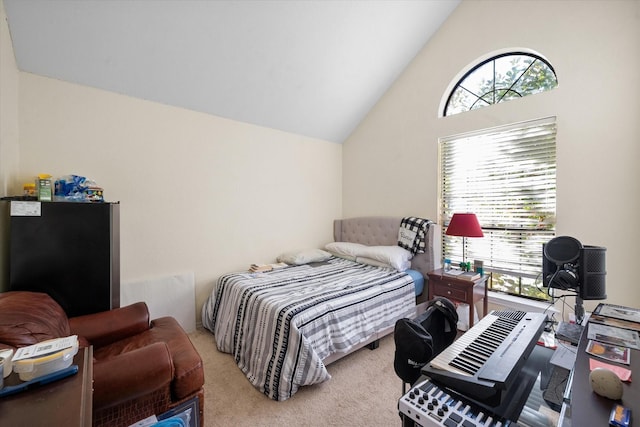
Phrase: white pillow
[347,257]
[395,256]
[343,249]
[373,262]
[368,261]
[304,256]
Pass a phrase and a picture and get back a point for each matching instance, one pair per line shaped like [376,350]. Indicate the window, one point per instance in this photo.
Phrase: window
[507,177]
[501,78]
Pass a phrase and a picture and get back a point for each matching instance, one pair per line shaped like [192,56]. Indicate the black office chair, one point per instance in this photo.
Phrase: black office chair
[421,339]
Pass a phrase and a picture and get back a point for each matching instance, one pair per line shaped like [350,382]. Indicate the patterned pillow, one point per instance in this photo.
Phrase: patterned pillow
[412,234]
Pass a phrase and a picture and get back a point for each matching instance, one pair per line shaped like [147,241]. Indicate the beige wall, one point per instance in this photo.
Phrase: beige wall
[390,162]
[198,193]
[8,107]
[8,127]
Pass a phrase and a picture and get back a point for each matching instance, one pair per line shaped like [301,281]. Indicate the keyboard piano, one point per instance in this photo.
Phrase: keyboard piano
[483,362]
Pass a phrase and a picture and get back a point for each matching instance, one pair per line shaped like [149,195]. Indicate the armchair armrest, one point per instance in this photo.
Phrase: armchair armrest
[130,375]
[107,327]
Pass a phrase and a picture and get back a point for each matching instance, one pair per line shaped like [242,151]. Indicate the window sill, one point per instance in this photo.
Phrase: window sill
[518,303]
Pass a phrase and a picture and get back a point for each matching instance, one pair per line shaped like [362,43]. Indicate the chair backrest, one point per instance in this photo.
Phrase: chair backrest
[28,318]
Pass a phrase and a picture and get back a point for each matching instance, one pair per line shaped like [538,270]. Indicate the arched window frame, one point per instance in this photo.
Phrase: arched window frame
[524,279]
[493,58]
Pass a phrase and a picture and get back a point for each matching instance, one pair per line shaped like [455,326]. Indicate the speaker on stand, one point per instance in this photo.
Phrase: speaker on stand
[593,273]
[568,265]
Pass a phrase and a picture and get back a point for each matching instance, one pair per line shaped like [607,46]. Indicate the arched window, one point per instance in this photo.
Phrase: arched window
[501,78]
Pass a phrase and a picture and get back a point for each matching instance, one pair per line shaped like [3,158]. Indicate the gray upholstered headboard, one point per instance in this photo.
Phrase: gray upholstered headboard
[383,230]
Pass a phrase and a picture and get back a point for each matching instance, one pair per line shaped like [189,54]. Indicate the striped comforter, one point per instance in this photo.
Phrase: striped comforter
[280,325]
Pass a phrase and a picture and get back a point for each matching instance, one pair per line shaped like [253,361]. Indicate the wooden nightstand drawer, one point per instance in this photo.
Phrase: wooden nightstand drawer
[450,291]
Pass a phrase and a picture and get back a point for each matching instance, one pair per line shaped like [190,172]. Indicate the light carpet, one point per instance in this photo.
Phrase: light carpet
[363,391]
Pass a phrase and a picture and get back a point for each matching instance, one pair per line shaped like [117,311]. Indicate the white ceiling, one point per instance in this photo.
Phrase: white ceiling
[313,68]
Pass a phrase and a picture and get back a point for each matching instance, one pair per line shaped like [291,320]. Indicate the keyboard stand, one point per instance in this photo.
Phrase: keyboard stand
[524,400]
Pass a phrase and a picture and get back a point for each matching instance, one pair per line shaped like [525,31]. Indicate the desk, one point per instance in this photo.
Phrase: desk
[465,291]
[589,409]
[66,402]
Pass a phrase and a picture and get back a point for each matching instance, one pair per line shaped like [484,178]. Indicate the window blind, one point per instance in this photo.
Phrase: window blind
[507,177]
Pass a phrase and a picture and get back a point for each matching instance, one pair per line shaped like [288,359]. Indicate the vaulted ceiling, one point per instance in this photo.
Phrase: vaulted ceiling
[310,67]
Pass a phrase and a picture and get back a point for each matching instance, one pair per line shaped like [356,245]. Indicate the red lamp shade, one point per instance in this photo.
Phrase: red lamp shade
[465,225]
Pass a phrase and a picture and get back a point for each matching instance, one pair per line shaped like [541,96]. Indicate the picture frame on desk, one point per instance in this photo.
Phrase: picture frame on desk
[619,312]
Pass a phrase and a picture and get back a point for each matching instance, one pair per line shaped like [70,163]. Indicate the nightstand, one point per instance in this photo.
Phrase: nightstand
[460,290]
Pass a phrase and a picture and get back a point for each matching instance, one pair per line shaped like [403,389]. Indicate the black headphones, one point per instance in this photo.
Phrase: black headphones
[565,277]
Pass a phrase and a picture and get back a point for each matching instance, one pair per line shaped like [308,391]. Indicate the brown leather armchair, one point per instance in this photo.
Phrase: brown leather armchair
[140,367]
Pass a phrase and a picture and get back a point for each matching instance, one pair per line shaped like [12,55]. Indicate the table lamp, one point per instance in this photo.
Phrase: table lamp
[465,225]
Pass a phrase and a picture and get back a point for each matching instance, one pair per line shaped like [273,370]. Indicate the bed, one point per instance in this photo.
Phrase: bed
[284,326]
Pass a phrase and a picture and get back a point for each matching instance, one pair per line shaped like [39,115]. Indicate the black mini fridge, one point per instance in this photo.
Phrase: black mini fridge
[69,250]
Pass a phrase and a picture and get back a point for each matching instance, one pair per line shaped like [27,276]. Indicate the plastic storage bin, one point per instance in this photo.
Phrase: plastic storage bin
[35,367]
[8,365]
